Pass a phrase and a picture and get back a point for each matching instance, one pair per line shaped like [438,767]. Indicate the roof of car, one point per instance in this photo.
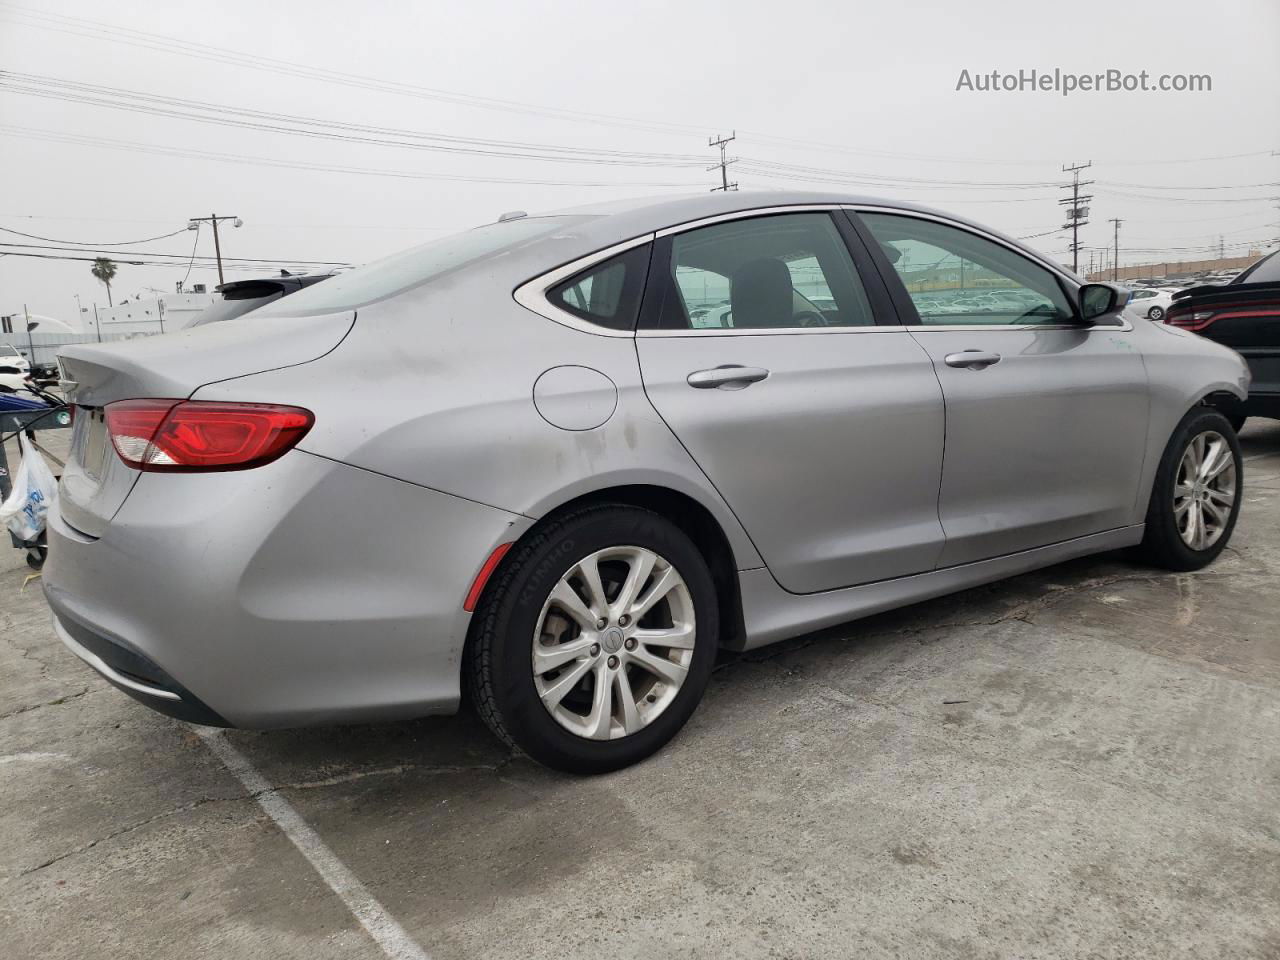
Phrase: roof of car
[615,221]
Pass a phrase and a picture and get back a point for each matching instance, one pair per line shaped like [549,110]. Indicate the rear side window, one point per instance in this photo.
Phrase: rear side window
[780,271]
[607,294]
[410,268]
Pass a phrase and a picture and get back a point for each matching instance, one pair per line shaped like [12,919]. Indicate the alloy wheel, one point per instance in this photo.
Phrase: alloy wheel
[614,642]
[1204,490]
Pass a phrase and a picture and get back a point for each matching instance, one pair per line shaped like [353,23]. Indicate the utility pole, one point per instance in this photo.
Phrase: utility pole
[723,165]
[1077,215]
[194,224]
[1115,262]
[96,325]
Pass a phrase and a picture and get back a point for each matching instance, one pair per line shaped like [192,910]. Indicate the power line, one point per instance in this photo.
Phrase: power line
[201,111]
[133,147]
[85,243]
[183,256]
[105,32]
[248,268]
[342,131]
[98,30]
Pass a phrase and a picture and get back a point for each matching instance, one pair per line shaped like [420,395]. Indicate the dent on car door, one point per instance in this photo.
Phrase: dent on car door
[1046,417]
[822,430]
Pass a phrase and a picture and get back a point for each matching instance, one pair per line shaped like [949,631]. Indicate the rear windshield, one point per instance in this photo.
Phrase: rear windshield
[230,309]
[1266,270]
[410,268]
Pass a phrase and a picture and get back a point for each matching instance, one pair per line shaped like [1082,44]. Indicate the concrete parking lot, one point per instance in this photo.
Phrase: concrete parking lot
[1081,762]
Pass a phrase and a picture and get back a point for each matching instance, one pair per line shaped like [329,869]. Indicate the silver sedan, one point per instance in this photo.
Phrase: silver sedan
[557,461]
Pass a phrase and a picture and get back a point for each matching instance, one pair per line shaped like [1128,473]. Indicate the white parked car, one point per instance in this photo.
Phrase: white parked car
[10,357]
[1150,302]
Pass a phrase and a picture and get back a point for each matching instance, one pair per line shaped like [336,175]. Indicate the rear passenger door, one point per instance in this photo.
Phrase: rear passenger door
[821,427]
[1046,416]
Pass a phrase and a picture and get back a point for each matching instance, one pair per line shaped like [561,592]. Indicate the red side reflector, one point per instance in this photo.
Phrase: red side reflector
[477,585]
[186,436]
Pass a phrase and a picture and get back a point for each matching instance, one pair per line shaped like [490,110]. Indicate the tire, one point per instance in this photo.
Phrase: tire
[1237,421]
[1156,313]
[1166,542]
[36,557]
[517,616]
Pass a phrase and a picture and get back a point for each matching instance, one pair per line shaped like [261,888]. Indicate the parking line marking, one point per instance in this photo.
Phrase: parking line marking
[373,916]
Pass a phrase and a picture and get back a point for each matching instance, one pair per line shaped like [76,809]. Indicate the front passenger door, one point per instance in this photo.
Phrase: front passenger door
[1046,417]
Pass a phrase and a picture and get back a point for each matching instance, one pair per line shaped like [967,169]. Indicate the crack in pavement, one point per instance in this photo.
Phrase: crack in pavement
[49,703]
[395,770]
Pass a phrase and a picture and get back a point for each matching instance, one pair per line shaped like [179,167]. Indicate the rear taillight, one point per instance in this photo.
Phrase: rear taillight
[185,436]
[1190,320]
[1198,320]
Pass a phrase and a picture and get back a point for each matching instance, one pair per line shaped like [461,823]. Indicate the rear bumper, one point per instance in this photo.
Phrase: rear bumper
[303,592]
[128,670]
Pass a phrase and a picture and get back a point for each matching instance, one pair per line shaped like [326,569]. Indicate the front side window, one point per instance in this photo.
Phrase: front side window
[955,277]
[784,271]
[607,294]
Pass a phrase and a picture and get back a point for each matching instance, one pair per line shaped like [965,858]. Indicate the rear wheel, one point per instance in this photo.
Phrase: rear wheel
[596,642]
[1155,313]
[1196,496]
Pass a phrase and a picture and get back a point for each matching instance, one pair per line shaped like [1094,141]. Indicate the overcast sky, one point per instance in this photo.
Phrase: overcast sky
[854,90]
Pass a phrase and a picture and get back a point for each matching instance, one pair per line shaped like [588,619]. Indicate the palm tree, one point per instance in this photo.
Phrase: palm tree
[105,270]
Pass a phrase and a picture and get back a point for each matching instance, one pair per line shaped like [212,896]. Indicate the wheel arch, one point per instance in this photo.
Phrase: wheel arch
[692,517]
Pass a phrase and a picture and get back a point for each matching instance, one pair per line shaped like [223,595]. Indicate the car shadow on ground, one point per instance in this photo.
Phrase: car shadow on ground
[310,757]
[462,741]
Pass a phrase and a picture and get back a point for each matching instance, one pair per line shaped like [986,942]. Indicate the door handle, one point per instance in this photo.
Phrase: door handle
[729,376]
[973,359]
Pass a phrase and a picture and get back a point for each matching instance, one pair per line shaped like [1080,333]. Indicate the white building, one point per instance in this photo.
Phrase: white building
[162,313]
[15,325]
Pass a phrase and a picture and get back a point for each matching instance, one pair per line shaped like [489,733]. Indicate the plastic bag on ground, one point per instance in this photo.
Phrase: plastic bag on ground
[34,490]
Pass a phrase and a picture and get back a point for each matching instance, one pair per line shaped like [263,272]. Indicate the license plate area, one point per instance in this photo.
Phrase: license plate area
[90,441]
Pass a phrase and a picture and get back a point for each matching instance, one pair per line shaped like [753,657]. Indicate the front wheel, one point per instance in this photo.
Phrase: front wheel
[596,642]
[1196,496]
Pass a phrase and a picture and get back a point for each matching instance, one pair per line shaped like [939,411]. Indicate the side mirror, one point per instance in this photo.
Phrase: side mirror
[1096,300]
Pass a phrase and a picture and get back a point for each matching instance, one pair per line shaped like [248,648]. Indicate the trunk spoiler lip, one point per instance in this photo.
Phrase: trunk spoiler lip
[91,372]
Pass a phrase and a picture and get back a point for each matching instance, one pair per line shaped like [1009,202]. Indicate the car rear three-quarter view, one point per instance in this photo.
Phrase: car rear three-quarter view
[557,462]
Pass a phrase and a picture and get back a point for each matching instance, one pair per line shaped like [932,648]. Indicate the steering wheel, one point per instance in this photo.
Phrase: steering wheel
[809,318]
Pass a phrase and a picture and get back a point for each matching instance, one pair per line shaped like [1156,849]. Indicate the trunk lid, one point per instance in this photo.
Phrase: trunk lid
[95,482]
[1242,316]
